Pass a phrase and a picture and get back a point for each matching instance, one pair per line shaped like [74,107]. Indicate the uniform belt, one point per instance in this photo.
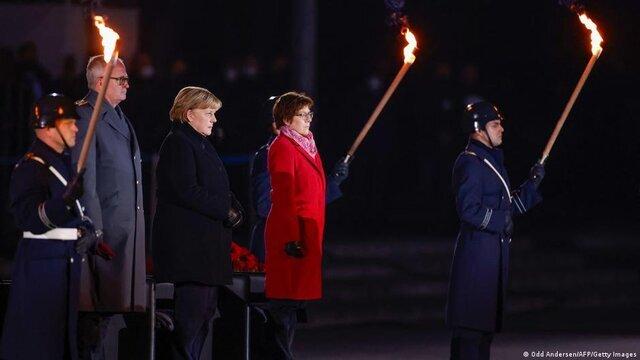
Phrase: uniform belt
[64,234]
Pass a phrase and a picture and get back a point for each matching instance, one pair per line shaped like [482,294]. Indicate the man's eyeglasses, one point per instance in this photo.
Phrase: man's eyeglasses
[122,80]
[307,116]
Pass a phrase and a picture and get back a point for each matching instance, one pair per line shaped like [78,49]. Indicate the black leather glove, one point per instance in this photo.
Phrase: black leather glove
[340,170]
[74,189]
[536,174]
[294,249]
[508,224]
[88,237]
[235,215]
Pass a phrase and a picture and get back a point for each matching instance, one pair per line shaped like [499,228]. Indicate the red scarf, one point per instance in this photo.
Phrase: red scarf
[305,141]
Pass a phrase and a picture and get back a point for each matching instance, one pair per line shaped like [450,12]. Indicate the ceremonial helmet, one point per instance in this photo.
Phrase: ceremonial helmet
[50,108]
[477,115]
[267,110]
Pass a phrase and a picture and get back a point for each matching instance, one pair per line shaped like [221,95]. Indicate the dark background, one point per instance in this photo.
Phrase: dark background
[525,56]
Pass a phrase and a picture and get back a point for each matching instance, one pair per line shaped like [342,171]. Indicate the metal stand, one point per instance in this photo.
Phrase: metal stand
[152,319]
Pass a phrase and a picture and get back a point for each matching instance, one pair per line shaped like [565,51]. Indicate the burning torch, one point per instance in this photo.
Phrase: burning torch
[409,58]
[109,39]
[596,50]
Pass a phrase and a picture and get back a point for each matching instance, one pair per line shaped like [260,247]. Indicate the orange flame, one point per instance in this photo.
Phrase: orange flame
[109,37]
[596,39]
[409,58]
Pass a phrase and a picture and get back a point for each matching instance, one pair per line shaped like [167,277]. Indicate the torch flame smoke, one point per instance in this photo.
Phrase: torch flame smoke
[109,37]
[596,39]
[409,58]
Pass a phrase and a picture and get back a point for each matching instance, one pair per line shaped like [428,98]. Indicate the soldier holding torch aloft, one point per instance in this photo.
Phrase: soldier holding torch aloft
[485,205]
[42,311]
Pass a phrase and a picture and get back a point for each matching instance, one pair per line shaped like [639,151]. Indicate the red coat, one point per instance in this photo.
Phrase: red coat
[297,213]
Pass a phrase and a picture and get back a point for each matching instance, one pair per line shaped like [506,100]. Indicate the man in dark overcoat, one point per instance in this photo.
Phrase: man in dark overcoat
[42,312]
[485,204]
[113,199]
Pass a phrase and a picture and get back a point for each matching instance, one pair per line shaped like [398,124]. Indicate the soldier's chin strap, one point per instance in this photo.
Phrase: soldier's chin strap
[66,146]
[490,139]
[485,133]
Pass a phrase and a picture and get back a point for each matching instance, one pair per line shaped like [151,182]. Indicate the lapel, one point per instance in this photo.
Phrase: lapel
[135,148]
[315,162]
[199,142]
[60,162]
[109,114]
[497,164]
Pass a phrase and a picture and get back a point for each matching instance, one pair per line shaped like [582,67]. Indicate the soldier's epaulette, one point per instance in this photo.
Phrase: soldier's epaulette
[27,157]
[81,102]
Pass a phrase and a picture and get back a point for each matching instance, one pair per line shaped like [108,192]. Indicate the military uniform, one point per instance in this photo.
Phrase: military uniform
[485,204]
[113,199]
[43,302]
[481,260]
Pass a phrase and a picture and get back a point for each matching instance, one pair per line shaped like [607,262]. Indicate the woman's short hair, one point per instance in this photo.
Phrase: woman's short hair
[287,105]
[192,97]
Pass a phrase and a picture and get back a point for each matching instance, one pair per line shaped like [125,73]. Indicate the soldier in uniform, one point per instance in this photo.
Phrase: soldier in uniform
[485,204]
[113,198]
[43,303]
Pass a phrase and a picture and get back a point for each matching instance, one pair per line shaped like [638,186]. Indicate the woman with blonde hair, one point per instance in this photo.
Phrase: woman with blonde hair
[194,217]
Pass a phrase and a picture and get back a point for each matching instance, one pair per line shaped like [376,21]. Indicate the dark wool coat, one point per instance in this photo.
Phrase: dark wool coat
[190,242]
[480,269]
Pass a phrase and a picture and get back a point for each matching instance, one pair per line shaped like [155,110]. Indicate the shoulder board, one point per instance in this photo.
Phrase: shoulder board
[30,156]
[34,157]
[81,102]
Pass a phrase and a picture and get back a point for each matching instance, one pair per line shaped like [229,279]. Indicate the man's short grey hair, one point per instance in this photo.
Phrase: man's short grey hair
[95,69]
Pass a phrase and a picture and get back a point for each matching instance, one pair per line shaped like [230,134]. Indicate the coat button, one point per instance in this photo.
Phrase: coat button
[71,260]
[138,207]
[137,182]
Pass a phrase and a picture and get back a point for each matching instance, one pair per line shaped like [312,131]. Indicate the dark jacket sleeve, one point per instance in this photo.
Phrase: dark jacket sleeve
[333,190]
[525,197]
[90,199]
[182,178]
[260,183]
[31,203]
[468,191]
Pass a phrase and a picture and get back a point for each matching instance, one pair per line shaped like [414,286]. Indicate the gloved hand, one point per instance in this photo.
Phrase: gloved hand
[536,174]
[340,170]
[508,224]
[91,241]
[294,249]
[74,189]
[235,215]
[87,238]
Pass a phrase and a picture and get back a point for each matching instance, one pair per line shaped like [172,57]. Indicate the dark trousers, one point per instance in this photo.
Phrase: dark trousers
[284,318]
[92,333]
[194,307]
[469,344]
